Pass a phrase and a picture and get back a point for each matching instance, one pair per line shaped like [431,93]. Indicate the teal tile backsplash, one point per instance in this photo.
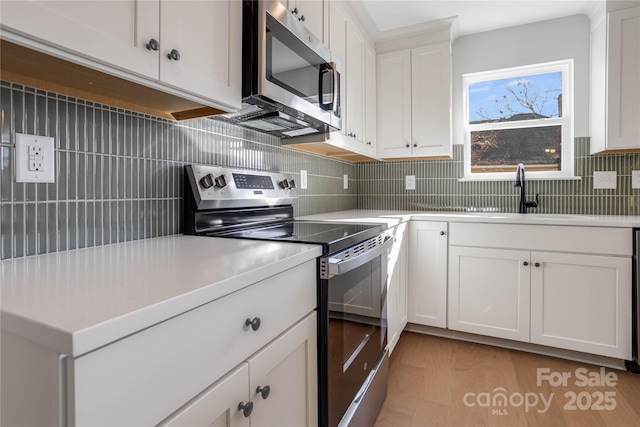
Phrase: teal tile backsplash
[119,176]
[380,185]
[119,173]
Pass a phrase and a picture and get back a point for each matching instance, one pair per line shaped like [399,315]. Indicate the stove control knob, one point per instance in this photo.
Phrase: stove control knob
[284,184]
[207,181]
[221,182]
[292,184]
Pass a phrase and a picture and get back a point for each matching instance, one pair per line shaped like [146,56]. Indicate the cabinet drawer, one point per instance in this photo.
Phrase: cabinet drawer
[594,240]
[143,378]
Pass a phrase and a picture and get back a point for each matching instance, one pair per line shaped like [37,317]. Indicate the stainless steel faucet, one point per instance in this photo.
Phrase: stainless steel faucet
[520,182]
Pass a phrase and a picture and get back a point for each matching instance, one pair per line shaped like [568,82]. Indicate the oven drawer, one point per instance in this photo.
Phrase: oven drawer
[143,378]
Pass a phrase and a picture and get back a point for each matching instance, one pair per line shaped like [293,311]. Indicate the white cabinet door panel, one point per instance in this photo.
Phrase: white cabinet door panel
[427,303]
[431,100]
[355,83]
[624,79]
[218,405]
[489,292]
[289,367]
[582,303]
[208,38]
[111,32]
[394,104]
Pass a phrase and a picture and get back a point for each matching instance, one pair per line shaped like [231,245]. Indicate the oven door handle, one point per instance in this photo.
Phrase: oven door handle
[338,266]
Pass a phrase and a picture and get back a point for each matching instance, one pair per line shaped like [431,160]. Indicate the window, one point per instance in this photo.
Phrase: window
[519,115]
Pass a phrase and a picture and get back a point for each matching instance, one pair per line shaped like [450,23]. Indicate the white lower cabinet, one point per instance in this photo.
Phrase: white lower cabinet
[194,369]
[218,405]
[582,303]
[276,387]
[489,292]
[427,304]
[546,285]
[397,286]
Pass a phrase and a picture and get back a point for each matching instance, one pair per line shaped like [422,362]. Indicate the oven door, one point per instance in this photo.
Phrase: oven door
[356,322]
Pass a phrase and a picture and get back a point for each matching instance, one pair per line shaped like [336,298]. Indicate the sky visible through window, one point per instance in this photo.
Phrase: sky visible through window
[505,99]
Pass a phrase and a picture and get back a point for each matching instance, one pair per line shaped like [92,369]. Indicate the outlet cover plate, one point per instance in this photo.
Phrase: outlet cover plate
[35,158]
[345,182]
[303,179]
[635,179]
[605,180]
[410,182]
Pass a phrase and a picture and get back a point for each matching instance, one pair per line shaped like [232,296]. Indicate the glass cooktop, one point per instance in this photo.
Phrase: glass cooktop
[334,236]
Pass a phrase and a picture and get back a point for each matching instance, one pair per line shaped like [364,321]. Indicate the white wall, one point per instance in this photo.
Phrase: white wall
[544,41]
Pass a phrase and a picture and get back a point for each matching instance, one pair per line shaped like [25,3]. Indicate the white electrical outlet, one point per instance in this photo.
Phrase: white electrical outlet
[410,182]
[605,180]
[345,182]
[303,179]
[635,179]
[35,158]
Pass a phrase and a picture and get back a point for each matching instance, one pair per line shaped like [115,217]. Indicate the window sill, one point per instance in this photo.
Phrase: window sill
[528,178]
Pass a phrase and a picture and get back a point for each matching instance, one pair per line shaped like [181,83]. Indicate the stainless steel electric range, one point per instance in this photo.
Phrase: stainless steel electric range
[352,276]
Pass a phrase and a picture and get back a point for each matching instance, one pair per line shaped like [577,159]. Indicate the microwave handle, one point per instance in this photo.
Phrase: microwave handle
[336,87]
[323,71]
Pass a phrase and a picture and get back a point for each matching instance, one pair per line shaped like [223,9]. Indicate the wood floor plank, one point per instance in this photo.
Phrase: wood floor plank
[437,381]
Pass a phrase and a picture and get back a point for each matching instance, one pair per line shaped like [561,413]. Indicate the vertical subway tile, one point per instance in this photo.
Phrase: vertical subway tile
[81,159]
[6,175]
[19,231]
[6,113]
[72,184]
[6,231]
[31,230]
[113,211]
[63,226]
[90,224]
[82,224]
[41,230]
[52,227]
[72,214]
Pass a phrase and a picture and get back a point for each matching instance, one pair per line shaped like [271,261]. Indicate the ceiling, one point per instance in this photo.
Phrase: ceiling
[474,16]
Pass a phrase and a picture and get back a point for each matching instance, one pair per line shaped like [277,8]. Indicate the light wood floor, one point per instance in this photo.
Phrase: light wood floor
[430,376]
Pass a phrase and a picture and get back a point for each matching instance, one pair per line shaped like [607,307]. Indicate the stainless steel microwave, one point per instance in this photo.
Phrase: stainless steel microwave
[290,80]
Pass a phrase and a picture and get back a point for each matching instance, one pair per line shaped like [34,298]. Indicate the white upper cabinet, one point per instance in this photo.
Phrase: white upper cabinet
[309,12]
[414,102]
[394,104]
[189,49]
[615,81]
[113,33]
[431,100]
[355,84]
[349,43]
[370,119]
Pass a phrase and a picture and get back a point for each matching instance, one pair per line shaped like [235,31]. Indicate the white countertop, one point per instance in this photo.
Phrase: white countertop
[77,301]
[392,218]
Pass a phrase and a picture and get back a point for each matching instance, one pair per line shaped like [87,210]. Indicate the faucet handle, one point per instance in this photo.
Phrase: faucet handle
[531,204]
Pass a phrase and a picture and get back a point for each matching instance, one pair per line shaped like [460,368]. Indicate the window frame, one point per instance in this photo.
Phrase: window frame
[566,121]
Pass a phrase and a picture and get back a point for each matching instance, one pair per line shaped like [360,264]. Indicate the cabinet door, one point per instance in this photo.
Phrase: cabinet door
[428,273]
[582,303]
[397,286]
[369,100]
[218,405]
[393,91]
[338,46]
[431,100]
[311,14]
[208,37]
[111,32]
[623,126]
[489,292]
[288,367]
[355,83]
